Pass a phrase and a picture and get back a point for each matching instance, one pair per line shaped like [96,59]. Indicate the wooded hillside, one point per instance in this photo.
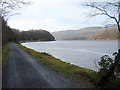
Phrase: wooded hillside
[9,35]
[40,35]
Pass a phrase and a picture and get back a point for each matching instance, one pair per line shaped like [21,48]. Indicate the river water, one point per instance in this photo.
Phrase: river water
[83,53]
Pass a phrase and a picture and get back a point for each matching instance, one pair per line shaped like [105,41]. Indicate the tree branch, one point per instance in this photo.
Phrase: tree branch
[9,6]
[104,12]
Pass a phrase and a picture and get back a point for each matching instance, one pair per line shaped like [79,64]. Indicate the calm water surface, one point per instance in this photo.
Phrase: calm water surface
[81,53]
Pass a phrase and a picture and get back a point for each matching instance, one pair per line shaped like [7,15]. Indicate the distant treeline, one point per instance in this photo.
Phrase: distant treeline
[9,35]
[40,35]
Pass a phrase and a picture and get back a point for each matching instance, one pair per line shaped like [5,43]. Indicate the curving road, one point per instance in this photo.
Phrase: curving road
[23,71]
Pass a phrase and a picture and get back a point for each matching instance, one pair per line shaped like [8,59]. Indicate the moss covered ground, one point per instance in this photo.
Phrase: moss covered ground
[5,52]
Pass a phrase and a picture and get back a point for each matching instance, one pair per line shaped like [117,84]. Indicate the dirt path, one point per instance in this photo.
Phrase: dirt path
[23,71]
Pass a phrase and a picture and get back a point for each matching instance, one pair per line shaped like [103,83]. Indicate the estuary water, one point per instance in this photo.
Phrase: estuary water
[83,53]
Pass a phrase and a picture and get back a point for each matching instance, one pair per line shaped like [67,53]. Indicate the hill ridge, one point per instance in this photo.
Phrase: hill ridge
[84,33]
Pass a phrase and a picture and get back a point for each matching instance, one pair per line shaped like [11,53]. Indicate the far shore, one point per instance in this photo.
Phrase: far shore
[69,40]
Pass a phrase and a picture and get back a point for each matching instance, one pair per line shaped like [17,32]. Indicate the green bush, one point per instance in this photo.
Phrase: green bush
[106,62]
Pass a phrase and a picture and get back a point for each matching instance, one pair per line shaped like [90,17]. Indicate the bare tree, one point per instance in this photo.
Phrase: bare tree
[8,6]
[111,10]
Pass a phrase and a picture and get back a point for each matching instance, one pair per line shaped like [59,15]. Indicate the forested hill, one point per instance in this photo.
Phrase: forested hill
[9,35]
[40,35]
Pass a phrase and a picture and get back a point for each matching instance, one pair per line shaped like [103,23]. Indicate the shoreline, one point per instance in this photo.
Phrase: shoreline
[72,40]
[73,59]
[76,74]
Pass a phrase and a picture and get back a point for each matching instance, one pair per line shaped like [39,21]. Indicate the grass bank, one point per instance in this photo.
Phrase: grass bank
[5,52]
[77,75]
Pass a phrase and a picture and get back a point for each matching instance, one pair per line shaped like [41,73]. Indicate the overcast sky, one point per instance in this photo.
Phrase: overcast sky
[55,15]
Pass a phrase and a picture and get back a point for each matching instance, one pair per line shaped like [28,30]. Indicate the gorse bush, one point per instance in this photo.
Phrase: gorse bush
[108,76]
[106,62]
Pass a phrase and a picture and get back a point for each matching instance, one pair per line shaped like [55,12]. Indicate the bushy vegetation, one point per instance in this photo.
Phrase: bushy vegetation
[113,80]
[77,75]
[5,52]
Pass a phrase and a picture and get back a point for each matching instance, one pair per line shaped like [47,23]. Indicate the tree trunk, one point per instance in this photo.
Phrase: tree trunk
[118,23]
[119,26]
[117,58]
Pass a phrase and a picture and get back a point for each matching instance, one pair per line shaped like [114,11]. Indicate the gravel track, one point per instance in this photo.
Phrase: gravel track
[23,71]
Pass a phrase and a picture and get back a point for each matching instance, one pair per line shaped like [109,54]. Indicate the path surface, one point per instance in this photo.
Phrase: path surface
[23,71]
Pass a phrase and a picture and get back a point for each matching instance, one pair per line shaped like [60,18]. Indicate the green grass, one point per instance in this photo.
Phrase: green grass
[5,52]
[77,75]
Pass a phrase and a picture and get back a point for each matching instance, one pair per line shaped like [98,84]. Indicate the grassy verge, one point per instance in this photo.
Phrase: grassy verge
[76,74]
[5,52]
